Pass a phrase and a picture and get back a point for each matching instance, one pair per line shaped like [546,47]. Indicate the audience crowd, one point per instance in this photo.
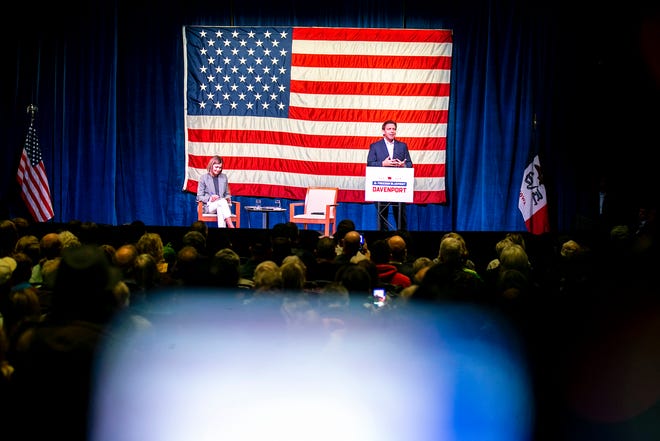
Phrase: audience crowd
[65,294]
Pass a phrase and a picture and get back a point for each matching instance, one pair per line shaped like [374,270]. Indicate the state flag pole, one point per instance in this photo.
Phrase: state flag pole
[532,201]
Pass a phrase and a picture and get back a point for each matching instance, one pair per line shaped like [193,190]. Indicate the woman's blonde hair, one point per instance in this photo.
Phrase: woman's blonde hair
[214,160]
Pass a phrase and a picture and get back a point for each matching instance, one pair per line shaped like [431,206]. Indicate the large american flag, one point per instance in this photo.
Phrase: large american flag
[292,107]
[32,178]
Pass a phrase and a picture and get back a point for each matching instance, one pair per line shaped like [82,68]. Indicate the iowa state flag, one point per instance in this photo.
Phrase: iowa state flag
[292,107]
[532,202]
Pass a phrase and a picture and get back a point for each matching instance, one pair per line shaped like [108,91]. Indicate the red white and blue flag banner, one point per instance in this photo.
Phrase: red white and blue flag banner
[532,202]
[292,107]
[32,178]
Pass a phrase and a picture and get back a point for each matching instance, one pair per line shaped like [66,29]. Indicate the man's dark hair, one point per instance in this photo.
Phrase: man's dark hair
[343,227]
[325,248]
[200,226]
[195,239]
[380,251]
[389,121]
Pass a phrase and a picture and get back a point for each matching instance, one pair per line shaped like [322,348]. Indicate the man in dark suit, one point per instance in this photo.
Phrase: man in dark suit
[389,152]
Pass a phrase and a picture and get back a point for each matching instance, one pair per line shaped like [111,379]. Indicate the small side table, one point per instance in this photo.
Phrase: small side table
[265,213]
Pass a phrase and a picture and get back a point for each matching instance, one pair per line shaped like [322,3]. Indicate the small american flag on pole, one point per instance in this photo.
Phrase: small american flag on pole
[32,177]
[293,107]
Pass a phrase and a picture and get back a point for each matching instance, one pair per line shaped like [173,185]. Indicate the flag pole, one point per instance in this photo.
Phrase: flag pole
[31,174]
[532,201]
[32,109]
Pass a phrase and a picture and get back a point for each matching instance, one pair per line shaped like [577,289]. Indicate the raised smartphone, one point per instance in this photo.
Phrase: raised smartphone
[379,297]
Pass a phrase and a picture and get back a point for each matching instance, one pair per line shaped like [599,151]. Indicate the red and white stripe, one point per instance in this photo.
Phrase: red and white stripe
[35,190]
[344,83]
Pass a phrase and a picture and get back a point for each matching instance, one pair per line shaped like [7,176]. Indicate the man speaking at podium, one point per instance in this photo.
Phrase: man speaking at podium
[389,152]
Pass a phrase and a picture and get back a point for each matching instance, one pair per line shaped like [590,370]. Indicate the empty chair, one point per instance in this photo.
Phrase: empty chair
[319,208]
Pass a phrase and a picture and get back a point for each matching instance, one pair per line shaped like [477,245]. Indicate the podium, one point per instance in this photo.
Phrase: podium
[389,185]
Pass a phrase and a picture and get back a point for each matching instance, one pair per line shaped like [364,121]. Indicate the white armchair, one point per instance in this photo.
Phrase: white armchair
[319,208]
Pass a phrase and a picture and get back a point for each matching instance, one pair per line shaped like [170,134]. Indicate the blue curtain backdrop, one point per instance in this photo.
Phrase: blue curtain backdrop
[108,80]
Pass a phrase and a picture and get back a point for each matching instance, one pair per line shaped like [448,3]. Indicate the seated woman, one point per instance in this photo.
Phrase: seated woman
[213,191]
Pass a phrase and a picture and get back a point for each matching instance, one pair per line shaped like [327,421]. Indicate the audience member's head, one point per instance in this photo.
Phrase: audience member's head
[201,227]
[145,272]
[84,284]
[69,239]
[49,273]
[421,262]
[22,305]
[569,249]
[355,278]
[438,284]
[372,270]
[288,230]
[124,259]
[279,230]
[267,276]
[23,270]
[325,249]
[419,268]
[380,251]
[122,294]
[109,251]
[514,257]
[260,249]
[22,225]
[281,247]
[494,264]
[343,227]
[8,237]
[195,239]
[187,268]
[452,252]
[7,268]
[501,244]
[51,246]
[512,284]
[465,254]
[225,268]
[620,234]
[516,238]
[293,274]
[398,248]
[351,243]
[152,244]
[29,244]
